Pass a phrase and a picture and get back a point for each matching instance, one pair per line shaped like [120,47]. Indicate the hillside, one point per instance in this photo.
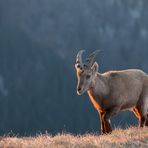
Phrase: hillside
[132,137]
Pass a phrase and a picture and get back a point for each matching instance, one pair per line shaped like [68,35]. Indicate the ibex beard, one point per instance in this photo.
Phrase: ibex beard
[113,91]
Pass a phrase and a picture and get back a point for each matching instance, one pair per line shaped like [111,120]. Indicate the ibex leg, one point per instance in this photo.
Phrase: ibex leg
[102,123]
[142,107]
[106,123]
[141,116]
[106,118]
[136,113]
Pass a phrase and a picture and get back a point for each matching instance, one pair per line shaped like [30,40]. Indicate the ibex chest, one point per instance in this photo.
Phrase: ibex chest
[98,102]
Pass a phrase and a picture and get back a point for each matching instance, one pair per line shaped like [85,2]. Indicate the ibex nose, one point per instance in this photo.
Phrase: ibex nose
[79,89]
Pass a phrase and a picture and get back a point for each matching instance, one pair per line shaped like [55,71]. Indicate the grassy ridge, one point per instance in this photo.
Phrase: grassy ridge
[132,137]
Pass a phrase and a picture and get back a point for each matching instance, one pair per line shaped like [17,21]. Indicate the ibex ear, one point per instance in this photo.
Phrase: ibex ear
[95,67]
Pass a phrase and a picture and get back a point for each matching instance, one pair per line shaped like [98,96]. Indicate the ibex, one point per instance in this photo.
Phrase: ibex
[113,91]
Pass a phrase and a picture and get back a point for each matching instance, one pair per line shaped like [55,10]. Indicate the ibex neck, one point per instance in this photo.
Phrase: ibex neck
[99,91]
[99,86]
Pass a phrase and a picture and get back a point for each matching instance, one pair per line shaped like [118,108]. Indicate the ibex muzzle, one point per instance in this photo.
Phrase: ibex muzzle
[113,91]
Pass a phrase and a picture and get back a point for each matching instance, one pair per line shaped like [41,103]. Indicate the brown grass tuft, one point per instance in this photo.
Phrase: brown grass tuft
[133,137]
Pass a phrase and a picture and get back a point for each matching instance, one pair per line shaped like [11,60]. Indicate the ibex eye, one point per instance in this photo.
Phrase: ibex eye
[88,76]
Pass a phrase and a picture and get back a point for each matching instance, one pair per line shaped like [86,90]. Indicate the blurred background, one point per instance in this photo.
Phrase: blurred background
[39,40]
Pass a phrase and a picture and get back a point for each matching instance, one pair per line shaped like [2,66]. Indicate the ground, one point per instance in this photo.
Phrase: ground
[133,137]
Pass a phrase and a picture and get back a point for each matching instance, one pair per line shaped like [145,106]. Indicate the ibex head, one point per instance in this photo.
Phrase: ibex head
[85,71]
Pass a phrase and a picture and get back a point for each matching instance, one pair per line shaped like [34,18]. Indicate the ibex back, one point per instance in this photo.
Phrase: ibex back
[113,91]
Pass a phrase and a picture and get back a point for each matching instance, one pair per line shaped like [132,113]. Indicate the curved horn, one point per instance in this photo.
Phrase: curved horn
[79,57]
[91,59]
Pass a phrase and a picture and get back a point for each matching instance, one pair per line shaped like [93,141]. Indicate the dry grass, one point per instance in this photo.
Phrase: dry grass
[132,137]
